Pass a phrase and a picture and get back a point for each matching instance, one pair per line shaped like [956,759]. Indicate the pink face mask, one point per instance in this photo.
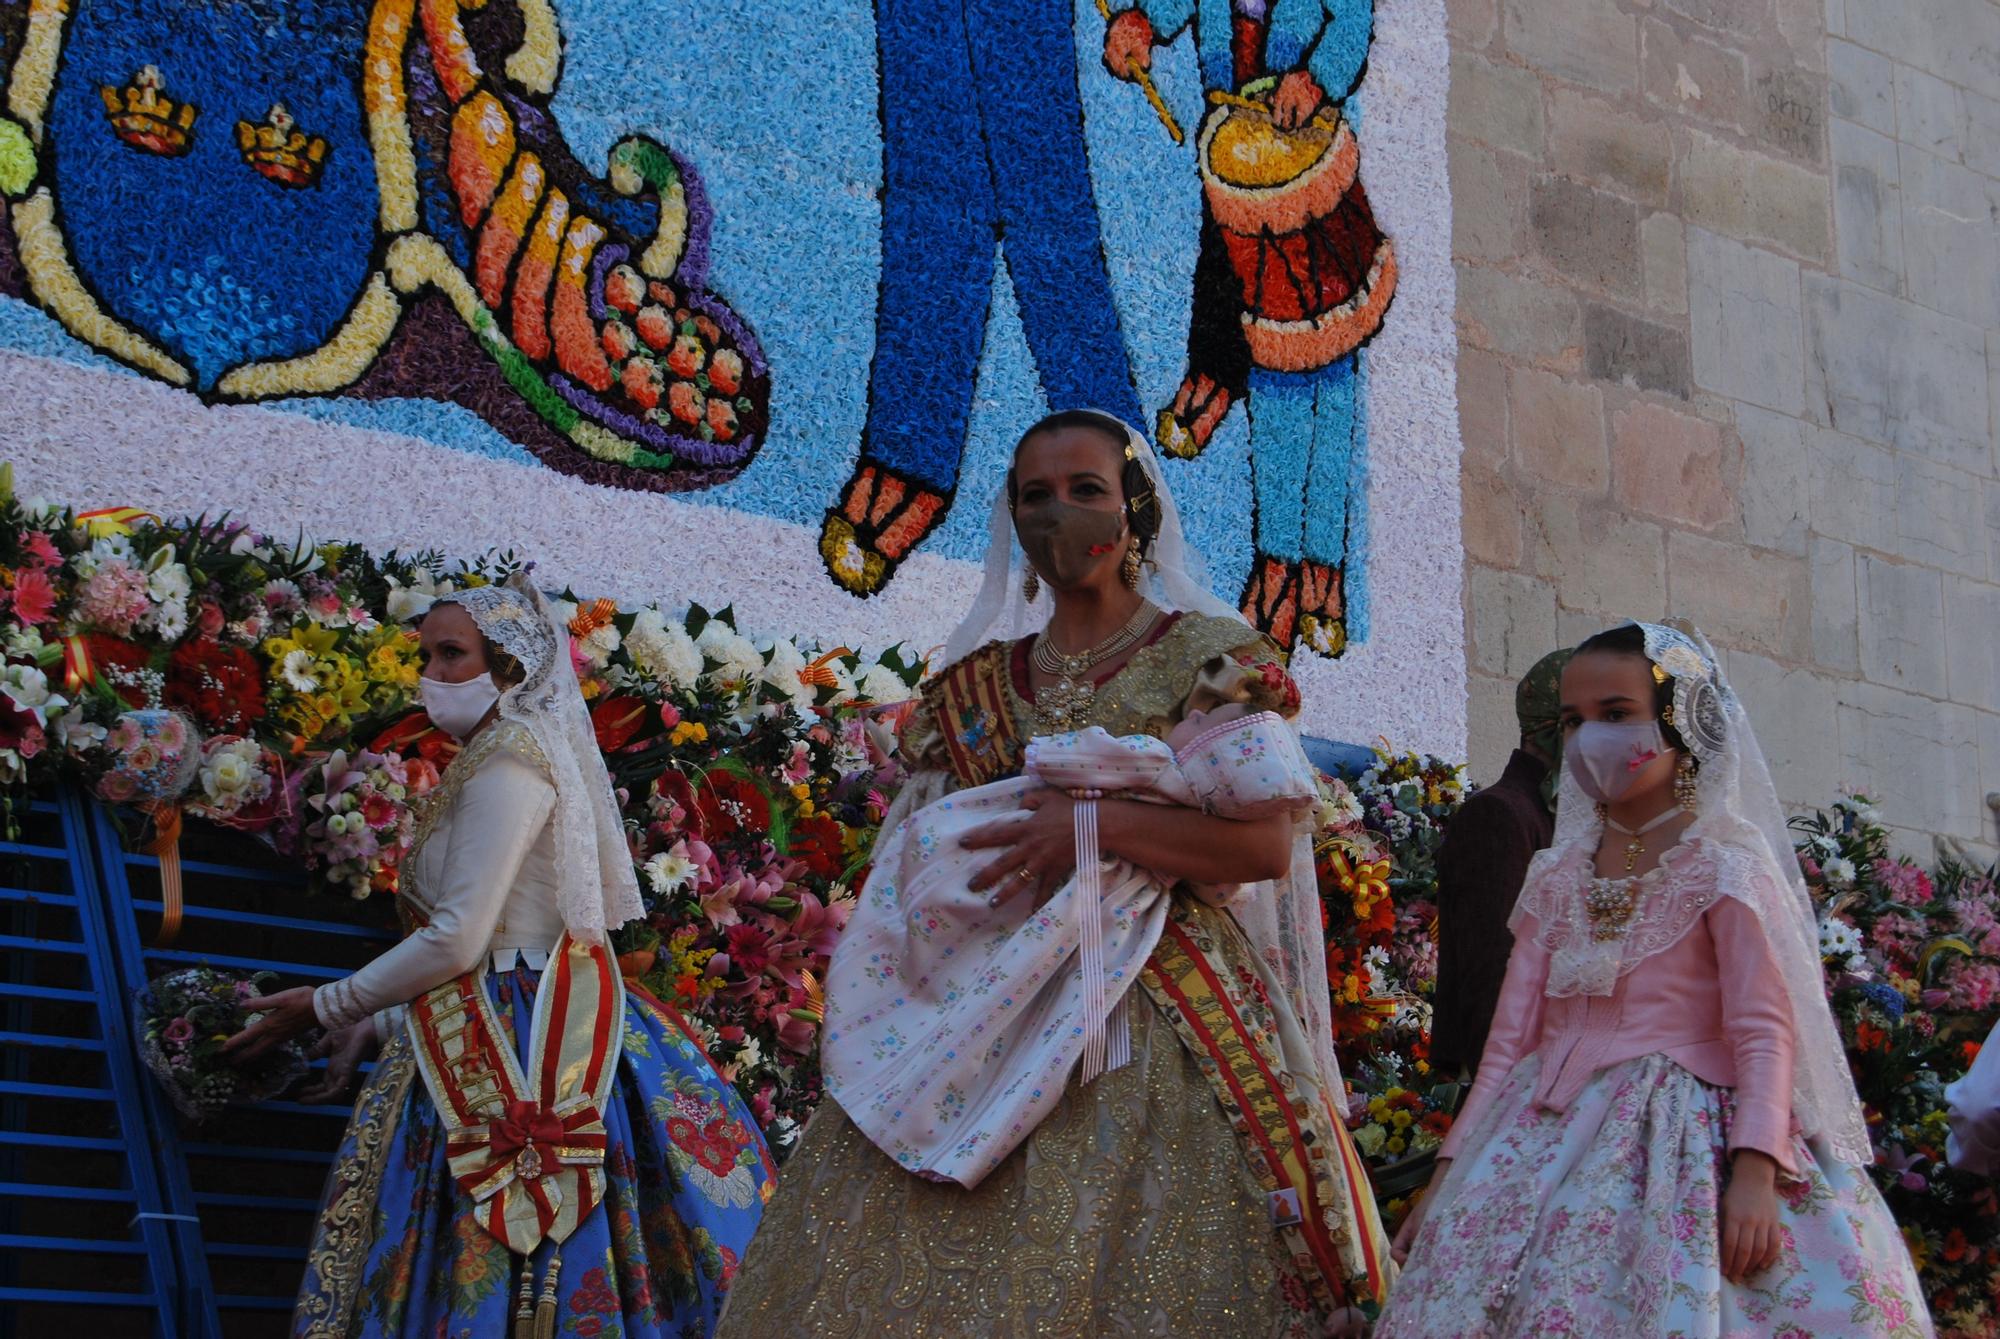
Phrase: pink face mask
[1607,757]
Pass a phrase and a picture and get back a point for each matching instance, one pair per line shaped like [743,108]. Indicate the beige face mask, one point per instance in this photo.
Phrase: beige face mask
[1065,541]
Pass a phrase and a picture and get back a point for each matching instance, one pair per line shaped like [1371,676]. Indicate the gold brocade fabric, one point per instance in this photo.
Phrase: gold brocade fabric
[1129,1211]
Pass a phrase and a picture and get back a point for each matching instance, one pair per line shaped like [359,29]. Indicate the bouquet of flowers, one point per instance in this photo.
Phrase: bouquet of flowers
[1912,959]
[352,818]
[185,1016]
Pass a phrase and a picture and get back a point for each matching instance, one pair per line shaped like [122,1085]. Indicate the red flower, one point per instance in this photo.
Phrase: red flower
[41,550]
[617,721]
[34,596]
[415,736]
[713,1145]
[595,1297]
[119,662]
[222,687]
[816,843]
[728,804]
[1868,1037]
[749,949]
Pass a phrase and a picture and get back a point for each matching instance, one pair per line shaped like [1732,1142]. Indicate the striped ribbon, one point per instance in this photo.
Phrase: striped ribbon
[1107,1044]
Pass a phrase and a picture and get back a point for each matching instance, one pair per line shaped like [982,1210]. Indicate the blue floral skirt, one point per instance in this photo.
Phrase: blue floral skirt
[397,1251]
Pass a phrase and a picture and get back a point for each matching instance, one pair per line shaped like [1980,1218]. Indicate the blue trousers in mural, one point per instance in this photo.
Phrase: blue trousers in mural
[982,130]
[1306,439]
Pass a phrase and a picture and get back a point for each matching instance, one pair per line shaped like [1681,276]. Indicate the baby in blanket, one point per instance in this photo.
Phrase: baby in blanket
[952,1024]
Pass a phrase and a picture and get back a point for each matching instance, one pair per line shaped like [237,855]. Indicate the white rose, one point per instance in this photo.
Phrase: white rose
[882,684]
[226,773]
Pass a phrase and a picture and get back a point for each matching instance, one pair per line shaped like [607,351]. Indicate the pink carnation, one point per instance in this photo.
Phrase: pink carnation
[1905,881]
[1973,986]
[113,598]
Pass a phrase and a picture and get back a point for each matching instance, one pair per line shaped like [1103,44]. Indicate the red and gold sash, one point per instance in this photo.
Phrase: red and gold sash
[969,701]
[527,1147]
[1303,1161]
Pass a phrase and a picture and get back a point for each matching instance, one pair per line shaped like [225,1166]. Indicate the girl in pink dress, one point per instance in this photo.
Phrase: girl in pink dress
[1663,1138]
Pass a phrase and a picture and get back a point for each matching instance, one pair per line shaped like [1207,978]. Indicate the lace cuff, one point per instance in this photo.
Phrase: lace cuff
[337,1005]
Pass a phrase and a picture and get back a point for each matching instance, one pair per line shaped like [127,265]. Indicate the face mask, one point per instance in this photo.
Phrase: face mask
[1064,541]
[458,708]
[1608,757]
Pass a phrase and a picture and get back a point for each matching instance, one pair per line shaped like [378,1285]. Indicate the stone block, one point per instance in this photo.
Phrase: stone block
[1992,469]
[1490,518]
[1486,205]
[1982,135]
[1491,730]
[1788,712]
[1691,76]
[1754,196]
[1663,243]
[1938,517]
[1513,621]
[1802,28]
[1591,139]
[1918,759]
[1496,104]
[1867,207]
[1741,597]
[1894,372]
[1930,114]
[1674,466]
[1902,624]
[1472,23]
[1957,40]
[1482,409]
[1992,493]
[1989,771]
[1853,485]
[1951,238]
[1598,556]
[1558,430]
[1788,112]
[1626,350]
[1574,627]
[1740,18]
[1518,318]
[1777,467]
[1972,642]
[1583,41]
[1589,238]
[1836,631]
[1743,310]
[1861,86]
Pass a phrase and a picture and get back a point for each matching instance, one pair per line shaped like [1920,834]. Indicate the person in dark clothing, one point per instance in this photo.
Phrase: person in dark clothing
[1480,868]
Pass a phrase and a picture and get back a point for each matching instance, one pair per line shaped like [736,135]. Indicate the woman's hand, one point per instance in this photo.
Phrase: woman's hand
[344,1051]
[287,1014]
[1413,1221]
[1037,853]
[1750,1234]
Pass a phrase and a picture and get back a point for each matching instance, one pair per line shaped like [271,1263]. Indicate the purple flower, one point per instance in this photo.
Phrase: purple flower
[179,1032]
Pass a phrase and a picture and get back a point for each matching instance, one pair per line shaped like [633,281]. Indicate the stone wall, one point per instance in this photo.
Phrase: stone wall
[1729,308]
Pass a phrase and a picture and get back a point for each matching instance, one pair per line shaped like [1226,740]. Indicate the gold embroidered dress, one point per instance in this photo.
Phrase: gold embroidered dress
[1204,1189]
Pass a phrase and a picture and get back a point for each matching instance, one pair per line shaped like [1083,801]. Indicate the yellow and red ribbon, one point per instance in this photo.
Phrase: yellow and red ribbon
[590,617]
[106,521]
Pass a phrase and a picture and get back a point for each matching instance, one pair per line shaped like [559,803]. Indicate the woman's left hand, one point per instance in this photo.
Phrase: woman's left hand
[1750,1233]
[287,1014]
[1037,853]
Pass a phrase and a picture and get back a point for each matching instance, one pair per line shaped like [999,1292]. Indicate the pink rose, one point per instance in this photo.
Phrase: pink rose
[209,619]
[179,1032]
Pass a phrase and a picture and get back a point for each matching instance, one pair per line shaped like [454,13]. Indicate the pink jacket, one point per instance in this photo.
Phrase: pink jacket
[1714,1003]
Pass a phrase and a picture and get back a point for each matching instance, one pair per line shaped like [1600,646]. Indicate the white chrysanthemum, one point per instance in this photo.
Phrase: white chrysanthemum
[882,684]
[1376,960]
[663,650]
[1839,871]
[1338,808]
[600,645]
[1838,939]
[167,581]
[170,620]
[296,670]
[736,658]
[670,871]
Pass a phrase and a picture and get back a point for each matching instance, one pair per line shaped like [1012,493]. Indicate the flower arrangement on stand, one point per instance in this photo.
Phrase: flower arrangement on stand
[1912,960]
[270,687]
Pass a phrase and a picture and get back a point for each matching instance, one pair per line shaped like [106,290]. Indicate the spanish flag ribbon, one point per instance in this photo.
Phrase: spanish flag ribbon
[590,617]
[79,670]
[819,674]
[1363,880]
[107,521]
[166,845]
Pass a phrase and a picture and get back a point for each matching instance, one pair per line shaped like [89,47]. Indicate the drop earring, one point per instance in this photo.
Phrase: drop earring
[1031,586]
[1129,569]
[1686,792]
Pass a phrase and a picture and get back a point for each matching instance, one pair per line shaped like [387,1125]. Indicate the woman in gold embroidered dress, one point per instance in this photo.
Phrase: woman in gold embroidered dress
[1206,1187]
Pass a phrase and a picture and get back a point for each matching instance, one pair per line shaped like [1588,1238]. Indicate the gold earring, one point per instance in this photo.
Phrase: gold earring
[1129,569]
[1687,793]
[1031,586]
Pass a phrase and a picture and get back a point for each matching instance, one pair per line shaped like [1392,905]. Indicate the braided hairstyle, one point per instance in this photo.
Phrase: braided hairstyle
[1142,499]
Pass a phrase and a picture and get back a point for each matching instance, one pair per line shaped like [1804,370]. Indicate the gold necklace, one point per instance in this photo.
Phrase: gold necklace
[1063,703]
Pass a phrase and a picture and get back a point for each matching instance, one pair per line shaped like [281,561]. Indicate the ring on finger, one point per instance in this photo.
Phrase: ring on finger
[1025,874]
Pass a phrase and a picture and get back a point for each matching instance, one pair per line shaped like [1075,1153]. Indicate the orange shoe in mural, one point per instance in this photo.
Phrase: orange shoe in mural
[881,517]
[246,246]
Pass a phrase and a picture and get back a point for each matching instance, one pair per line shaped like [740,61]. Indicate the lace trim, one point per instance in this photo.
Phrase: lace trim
[511,736]
[1593,944]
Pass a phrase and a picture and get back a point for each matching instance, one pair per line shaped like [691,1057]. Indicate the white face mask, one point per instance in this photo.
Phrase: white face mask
[1607,757]
[458,708]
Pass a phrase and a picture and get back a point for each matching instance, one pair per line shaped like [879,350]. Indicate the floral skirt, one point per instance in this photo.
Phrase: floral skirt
[1604,1220]
[397,1252]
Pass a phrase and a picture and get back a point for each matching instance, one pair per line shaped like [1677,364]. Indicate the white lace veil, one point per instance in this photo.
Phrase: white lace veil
[596,888]
[1281,919]
[1741,836]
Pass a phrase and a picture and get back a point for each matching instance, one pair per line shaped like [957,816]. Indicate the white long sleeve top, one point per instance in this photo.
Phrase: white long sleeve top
[481,878]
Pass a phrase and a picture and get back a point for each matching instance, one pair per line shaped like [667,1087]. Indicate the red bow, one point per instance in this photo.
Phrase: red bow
[527,1124]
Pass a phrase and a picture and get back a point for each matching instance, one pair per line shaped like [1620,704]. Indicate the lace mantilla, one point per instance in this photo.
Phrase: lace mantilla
[1596,930]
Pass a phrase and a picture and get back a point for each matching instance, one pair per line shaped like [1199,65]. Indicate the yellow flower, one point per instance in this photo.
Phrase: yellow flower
[802,791]
[1378,1107]
[1423,1066]
[806,809]
[1396,1144]
[1402,1120]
